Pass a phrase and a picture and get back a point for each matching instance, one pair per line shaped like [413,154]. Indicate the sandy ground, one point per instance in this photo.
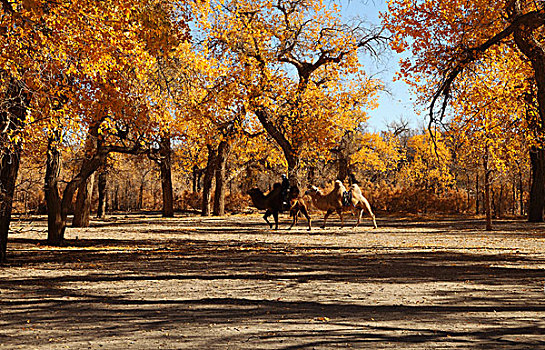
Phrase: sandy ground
[144,282]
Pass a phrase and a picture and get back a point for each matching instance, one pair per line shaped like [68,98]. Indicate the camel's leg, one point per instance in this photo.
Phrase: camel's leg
[327,213]
[368,207]
[275,216]
[294,211]
[359,215]
[295,214]
[304,210]
[340,212]
[267,214]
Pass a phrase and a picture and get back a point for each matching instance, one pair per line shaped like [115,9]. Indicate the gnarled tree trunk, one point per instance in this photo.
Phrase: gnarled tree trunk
[219,194]
[529,42]
[102,193]
[342,169]
[208,179]
[55,221]
[166,176]
[90,165]
[487,201]
[290,153]
[12,120]
[58,207]
[9,167]
[82,207]
[536,203]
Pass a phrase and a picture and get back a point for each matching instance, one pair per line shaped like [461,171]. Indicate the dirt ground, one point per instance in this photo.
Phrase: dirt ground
[144,282]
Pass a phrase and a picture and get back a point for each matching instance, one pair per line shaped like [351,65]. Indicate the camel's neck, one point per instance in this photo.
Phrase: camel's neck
[318,198]
[259,200]
[319,195]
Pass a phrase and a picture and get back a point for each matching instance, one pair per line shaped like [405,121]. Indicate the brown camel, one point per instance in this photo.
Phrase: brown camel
[272,203]
[298,205]
[339,200]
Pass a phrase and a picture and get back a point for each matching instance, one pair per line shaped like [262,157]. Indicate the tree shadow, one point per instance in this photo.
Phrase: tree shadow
[69,300]
[347,325]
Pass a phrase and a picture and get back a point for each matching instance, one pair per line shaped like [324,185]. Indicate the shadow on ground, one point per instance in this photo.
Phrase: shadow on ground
[250,294]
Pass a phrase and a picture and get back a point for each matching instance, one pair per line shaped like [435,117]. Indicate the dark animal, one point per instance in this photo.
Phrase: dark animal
[272,204]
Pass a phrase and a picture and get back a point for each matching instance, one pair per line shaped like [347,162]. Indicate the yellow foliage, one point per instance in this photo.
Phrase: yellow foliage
[488,112]
[264,45]
[83,60]
[427,164]
[378,153]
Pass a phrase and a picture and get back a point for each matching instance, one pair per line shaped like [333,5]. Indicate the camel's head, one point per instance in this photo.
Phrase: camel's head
[312,190]
[254,192]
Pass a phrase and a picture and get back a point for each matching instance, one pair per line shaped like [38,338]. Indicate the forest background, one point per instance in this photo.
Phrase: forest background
[175,105]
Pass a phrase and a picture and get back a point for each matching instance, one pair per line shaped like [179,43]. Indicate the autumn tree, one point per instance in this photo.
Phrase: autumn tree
[12,116]
[77,65]
[207,90]
[82,205]
[300,69]
[15,95]
[427,165]
[496,133]
[188,80]
[161,153]
[459,44]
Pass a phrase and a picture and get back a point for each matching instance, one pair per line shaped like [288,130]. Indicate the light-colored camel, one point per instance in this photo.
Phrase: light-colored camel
[272,203]
[333,202]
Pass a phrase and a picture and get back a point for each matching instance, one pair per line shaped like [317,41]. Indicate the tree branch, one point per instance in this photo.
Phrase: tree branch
[531,20]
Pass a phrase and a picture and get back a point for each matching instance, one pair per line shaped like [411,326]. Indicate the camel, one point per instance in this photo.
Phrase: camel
[340,199]
[272,203]
[298,205]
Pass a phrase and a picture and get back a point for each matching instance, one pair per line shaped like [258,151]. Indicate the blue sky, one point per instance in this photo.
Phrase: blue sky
[399,101]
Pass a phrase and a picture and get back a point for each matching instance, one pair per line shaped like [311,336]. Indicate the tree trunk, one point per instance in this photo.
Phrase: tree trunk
[90,164]
[12,119]
[487,202]
[477,202]
[8,176]
[290,153]
[514,198]
[219,193]
[55,221]
[195,178]
[82,208]
[499,206]
[342,170]
[208,179]
[493,202]
[102,182]
[199,182]
[529,42]
[115,201]
[311,174]
[58,208]
[468,198]
[166,176]
[536,203]
[140,203]
[521,194]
